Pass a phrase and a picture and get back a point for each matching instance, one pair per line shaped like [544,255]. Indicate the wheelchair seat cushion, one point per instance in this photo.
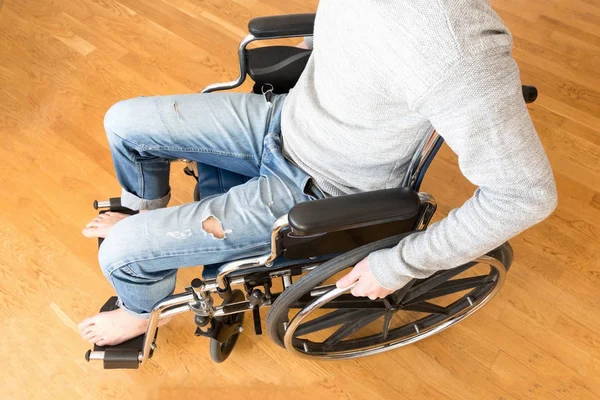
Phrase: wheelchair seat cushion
[354,211]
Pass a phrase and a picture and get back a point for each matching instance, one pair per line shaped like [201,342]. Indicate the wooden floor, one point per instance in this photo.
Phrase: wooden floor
[63,63]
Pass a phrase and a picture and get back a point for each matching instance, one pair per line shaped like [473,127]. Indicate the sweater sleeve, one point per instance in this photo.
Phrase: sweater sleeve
[478,108]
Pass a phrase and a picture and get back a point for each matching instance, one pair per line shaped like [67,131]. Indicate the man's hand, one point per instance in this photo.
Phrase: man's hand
[367,285]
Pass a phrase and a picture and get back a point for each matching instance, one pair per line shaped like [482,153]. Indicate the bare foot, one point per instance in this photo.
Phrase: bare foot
[113,327]
[103,224]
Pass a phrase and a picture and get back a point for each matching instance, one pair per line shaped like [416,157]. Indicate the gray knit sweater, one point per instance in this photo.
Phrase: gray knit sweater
[380,74]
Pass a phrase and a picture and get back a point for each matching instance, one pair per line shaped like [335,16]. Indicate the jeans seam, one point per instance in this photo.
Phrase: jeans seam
[140,147]
[127,263]
[140,178]
[199,150]
[129,271]
[134,160]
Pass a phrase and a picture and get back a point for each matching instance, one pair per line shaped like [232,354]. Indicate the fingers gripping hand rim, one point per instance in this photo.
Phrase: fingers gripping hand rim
[363,282]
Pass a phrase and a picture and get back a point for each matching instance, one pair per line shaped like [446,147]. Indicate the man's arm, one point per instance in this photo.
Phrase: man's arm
[477,106]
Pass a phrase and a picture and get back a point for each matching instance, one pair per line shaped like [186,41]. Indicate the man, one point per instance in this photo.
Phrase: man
[380,74]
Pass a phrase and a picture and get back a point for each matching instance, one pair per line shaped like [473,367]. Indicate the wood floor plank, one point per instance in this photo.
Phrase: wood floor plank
[574,357]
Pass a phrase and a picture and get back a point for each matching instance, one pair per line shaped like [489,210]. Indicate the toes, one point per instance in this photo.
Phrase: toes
[86,323]
[90,232]
[92,338]
[101,231]
[101,342]
[95,222]
[90,330]
[89,333]
[98,220]
[103,222]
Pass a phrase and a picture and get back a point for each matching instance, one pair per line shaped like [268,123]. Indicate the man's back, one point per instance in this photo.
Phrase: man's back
[380,75]
[372,62]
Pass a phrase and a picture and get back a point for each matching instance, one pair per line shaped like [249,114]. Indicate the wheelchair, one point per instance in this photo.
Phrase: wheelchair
[311,247]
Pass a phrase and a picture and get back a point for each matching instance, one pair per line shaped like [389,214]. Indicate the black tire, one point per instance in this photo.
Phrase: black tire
[279,312]
[219,351]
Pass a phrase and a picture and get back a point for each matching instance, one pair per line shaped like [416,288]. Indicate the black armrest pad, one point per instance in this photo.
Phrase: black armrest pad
[353,211]
[282,25]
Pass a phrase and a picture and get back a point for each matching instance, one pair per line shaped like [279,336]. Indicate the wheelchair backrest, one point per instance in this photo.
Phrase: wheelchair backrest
[278,67]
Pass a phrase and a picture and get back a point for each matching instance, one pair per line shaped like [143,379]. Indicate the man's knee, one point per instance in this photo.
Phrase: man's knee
[119,120]
[111,257]
[114,116]
[122,246]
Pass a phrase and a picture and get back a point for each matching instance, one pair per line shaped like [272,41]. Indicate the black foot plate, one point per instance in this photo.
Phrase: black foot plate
[121,356]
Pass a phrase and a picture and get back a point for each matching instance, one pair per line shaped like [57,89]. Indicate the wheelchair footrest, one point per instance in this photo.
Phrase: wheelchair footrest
[126,355]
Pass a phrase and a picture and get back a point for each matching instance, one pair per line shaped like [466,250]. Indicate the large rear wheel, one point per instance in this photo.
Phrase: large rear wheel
[313,318]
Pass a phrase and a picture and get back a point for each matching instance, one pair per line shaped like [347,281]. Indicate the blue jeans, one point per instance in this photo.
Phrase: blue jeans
[234,131]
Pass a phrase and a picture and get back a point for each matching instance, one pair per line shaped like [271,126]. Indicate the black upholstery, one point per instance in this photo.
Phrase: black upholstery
[530,93]
[278,66]
[301,247]
[282,25]
[353,211]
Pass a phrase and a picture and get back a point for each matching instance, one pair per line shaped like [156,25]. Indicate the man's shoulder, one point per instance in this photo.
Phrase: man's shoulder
[430,37]
[433,35]
[455,27]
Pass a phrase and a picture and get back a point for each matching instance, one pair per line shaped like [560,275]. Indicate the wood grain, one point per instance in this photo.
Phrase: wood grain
[63,63]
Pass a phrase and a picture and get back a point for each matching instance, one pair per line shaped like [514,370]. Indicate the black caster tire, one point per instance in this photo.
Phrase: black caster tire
[219,351]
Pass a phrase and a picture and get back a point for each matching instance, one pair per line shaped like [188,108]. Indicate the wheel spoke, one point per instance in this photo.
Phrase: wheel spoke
[328,320]
[450,287]
[435,281]
[426,308]
[397,296]
[387,320]
[349,328]
[349,301]
[344,301]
